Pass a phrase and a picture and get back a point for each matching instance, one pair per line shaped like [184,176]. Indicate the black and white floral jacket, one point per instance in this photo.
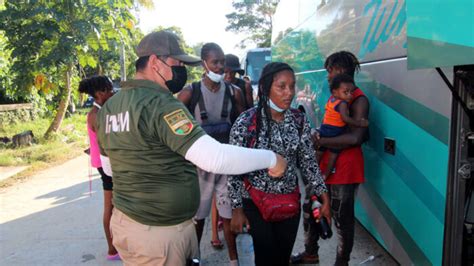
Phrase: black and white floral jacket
[290,139]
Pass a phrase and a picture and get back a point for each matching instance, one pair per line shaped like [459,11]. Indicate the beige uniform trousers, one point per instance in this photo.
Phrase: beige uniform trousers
[140,244]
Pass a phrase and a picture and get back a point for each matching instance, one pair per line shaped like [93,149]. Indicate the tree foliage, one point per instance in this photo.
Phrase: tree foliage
[5,63]
[52,42]
[253,18]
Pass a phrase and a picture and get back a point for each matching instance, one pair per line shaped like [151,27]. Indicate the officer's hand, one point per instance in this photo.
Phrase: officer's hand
[239,220]
[279,169]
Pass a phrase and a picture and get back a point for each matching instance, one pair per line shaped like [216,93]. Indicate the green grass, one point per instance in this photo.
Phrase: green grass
[68,143]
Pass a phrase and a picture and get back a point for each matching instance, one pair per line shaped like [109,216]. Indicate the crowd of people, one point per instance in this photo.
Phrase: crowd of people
[170,154]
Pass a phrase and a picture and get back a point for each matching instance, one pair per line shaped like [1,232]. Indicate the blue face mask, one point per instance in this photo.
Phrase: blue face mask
[275,107]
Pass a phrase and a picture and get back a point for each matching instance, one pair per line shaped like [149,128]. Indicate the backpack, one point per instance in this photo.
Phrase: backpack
[242,85]
[218,130]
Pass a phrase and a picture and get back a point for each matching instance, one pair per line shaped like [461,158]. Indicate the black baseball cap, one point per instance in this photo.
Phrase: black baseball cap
[232,62]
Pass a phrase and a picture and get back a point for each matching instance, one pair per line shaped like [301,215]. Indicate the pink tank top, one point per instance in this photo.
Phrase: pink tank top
[94,146]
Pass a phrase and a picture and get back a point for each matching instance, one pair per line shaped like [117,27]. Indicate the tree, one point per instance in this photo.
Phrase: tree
[5,63]
[52,41]
[197,48]
[254,18]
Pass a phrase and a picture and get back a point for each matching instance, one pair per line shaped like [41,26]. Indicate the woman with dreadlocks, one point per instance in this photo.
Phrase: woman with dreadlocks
[273,125]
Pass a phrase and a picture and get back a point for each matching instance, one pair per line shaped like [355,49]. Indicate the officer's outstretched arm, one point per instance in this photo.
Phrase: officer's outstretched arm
[215,157]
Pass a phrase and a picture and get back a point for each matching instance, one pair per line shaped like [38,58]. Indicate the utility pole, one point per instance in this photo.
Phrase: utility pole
[122,63]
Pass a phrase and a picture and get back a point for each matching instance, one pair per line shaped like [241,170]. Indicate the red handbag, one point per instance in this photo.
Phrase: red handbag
[275,207]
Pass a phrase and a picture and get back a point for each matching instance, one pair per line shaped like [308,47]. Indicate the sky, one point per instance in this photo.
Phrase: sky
[200,21]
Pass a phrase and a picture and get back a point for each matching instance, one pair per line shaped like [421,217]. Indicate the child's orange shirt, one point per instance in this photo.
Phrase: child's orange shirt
[332,116]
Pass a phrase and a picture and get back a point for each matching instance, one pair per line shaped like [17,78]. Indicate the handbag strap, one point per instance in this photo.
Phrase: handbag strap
[247,184]
[251,140]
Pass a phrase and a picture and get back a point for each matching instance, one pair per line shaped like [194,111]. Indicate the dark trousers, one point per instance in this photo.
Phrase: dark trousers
[342,207]
[272,241]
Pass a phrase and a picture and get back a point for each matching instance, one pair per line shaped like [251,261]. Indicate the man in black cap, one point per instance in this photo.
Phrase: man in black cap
[232,67]
[152,142]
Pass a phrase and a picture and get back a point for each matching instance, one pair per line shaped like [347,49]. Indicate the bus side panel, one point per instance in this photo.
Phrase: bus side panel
[402,202]
[370,29]
[441,28]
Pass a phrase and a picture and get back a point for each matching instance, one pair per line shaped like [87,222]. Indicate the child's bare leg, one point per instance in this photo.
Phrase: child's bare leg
[319,155]
[331,163]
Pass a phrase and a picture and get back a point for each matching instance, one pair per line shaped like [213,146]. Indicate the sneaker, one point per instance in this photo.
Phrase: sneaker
[304,258]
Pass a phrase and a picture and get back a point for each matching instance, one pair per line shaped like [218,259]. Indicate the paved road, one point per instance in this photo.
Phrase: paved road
[55,217]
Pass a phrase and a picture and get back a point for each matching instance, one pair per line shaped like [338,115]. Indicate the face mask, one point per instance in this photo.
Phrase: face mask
[216,78]
[177,82]
[275,107]
[180,75]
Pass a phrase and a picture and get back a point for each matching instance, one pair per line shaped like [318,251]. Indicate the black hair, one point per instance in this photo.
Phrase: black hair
[95,84]
[338,79]
[141,63]
[208,47]
[344,60]
[264,87]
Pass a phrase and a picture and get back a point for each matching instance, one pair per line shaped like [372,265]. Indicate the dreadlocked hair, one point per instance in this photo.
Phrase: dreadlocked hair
[264,86]
[344,60]
[95,84]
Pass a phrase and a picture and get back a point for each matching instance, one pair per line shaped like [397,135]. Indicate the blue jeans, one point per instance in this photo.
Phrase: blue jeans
[342,207]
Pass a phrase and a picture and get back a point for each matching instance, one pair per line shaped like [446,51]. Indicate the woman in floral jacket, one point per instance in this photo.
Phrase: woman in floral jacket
[273,125]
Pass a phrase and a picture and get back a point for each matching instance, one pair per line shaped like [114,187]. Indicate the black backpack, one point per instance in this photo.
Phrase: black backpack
[219,130]
[242,85]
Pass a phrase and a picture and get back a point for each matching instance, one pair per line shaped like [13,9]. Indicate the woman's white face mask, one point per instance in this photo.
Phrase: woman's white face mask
[275,107]
[217,78]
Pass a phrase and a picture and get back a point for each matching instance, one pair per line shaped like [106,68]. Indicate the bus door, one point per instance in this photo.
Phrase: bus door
[437,38]
[459,224]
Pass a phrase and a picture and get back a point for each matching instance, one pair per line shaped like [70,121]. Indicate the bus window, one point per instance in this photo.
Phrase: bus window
[254,62]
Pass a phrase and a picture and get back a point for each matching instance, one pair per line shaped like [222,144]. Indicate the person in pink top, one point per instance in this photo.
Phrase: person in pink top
[101,89]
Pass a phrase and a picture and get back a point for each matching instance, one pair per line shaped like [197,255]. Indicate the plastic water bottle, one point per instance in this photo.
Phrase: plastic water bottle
[245,252]
[325,231]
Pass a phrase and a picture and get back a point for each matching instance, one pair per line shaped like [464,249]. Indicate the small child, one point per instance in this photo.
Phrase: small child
[337,116]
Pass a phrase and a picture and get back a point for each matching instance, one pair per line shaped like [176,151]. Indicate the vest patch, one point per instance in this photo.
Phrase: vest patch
[117,123]
[179,122]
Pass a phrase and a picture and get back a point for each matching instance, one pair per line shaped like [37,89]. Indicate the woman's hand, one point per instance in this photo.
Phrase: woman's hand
[315,137]
[326,208]
[239,220]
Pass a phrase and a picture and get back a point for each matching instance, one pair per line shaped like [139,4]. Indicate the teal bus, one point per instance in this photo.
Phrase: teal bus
[253,62]
[417,70]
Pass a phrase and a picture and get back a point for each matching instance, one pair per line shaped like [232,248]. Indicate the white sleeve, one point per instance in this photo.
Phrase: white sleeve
[215,157]
[106,165]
